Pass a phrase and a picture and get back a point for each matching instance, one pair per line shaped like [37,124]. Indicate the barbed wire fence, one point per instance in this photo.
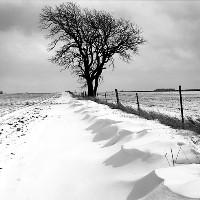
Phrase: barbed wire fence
[136,103]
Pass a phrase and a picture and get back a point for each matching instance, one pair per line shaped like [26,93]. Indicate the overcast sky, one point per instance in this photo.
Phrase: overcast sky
[170,58]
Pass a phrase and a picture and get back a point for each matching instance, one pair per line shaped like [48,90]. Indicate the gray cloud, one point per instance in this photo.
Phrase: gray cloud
[170,58]
[181,10]
[185,24]
[23,16]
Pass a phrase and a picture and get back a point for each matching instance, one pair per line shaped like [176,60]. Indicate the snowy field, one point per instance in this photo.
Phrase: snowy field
[163,102]
[63,148]
[13,102]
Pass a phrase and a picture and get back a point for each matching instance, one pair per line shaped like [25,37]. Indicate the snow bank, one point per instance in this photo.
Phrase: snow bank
[184,180]
[142,142]
[78,149]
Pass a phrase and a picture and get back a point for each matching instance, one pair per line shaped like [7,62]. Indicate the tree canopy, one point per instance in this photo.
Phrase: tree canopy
[86,40]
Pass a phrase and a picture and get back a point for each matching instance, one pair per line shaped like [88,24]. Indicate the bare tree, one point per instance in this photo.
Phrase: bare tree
[88,40]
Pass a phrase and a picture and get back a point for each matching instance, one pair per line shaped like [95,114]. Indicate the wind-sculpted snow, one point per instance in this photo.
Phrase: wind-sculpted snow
[184,180]
[78,149]
[149,148]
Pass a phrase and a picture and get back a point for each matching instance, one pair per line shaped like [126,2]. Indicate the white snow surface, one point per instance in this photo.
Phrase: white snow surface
[80,150]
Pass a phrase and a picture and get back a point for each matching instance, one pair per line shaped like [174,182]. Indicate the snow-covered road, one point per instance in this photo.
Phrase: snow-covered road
[59,161]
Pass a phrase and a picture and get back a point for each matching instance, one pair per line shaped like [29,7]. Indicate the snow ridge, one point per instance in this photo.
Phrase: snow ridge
[78,149]
[167,158]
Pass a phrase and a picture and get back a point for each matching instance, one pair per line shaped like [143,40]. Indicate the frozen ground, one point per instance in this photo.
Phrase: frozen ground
[65,148]
[12,102]
[164,102]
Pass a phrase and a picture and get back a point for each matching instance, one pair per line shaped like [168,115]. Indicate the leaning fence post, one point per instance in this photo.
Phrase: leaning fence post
[117,96]
[138,103]
[105,97]
[181,102]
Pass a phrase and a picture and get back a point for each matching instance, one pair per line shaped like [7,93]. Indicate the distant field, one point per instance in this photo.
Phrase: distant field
[163,102]
[13,102]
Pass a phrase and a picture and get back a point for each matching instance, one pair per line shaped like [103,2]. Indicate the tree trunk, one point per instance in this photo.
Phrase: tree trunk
[90,88]
[97,78]
[96,86]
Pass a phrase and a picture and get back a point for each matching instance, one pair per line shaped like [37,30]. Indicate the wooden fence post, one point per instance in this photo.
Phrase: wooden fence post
[181,102]
[138,103]
[85,94]
[117,96]
[105,97]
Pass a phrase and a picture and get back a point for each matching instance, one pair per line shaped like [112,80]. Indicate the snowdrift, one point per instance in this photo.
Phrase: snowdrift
[78,149]
[165,159]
